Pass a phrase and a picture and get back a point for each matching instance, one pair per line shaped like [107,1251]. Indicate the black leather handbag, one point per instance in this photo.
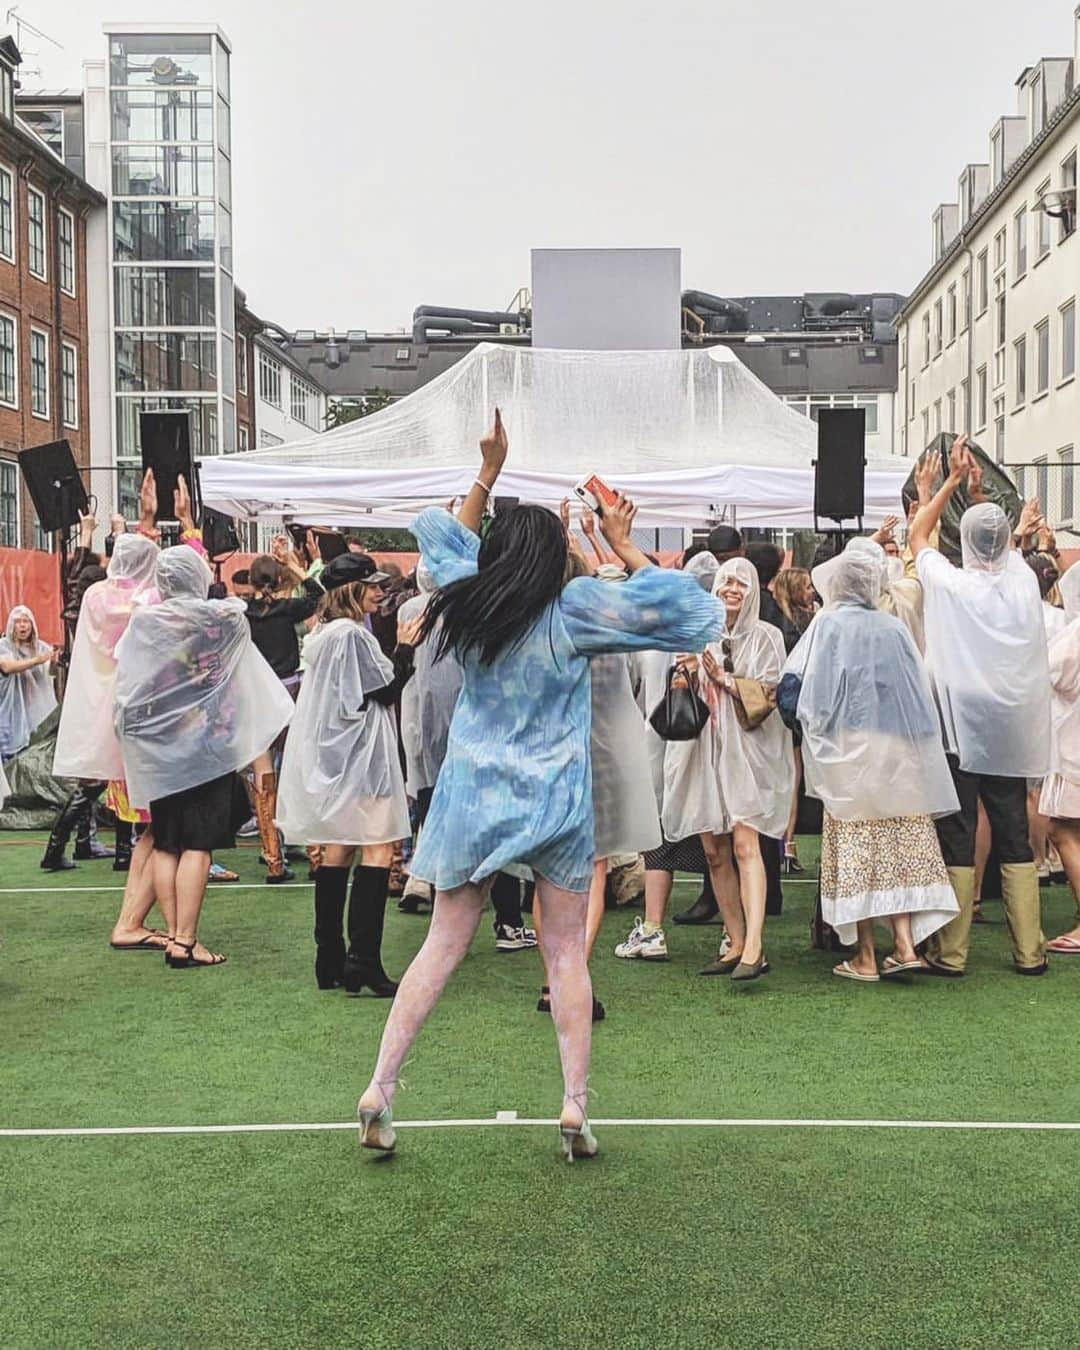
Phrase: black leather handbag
[682,713]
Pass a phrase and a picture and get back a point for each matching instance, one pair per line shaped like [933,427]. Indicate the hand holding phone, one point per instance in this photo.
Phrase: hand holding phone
[596,494]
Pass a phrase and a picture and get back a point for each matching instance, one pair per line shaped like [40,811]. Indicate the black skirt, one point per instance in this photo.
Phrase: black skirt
[688,855]
[203,818]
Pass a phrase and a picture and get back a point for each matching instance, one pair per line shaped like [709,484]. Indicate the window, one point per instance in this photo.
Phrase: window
[176,231]
[997,155]
[981,390]
[269,379]
[9,363]
[937,417]
[999,431]
[911,402]
[1020,369]
[965,398]
[39,373]
[242,437]
[1020,241]
[35,228]
[1068,180]
[950,404]
[1042,240]
[1038,105]
[937,328]
[150,361]
[869,403]
[66,229]
[166,297]
[1001,244]
[965,301]
[7,93]
[7,214]
[9,504]
[1042,357]
[999,308]
[70,373]
[951,314]
[983,282]
[1068,483]
[241,365]
[48,125]
[1042,480]
[926,340]
[903,350]
[304,402]
[925,428]
[1068,339]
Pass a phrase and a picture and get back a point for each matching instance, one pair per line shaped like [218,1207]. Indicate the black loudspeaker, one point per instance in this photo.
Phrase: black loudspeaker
[166,448]
[55,485]
[840,471]
[219,533]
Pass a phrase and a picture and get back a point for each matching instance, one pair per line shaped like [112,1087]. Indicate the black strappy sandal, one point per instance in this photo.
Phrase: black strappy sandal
[189,961]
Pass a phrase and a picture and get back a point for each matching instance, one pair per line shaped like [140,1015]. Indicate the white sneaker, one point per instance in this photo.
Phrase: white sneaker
[509,939]
[642,945]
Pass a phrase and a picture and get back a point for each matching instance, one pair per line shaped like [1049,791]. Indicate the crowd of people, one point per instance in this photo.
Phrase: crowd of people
[536,708]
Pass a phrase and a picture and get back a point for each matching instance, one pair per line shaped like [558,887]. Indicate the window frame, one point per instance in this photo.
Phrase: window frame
[37,332]
[63,213]
[14,321]
[1020,371]
[273,371]
[982,279]
[32,192]
[13,224]
[12,466]
[1043,233]
[1069,307]
[1067,224]
[1020,248]
[1042,336]
[982,398]
[65,348]
[951,321]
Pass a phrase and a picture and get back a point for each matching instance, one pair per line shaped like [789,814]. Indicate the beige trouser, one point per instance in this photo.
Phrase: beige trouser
[1020,889]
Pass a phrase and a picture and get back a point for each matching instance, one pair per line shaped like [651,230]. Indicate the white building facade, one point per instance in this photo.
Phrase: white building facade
[988,337]
[288,404]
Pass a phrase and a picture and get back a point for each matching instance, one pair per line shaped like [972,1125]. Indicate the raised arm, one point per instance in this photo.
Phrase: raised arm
[927,517]
[616,523]
[493,447]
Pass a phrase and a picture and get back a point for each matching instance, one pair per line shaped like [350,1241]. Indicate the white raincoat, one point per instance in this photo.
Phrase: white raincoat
[86,744]
[1061,791]
[729,776]
[27,697]
[428,700]
[871,735]
[341,780]
[194,698]
[986,650]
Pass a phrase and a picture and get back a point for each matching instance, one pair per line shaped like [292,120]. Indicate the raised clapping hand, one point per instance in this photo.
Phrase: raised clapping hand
[886,532]
[617,521]
[148,497]
[926,476]
[959,460]
[87,526]
[1031,519]
[713,668]
[408,631]
[182,503]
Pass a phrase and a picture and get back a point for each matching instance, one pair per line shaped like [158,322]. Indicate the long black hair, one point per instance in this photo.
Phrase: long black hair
[521,571]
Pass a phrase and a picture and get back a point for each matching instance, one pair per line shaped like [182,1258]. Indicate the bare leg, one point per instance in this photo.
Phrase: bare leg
[1037,828]
[192,870]
[374,855]
[865,959]
[725,882]
[752,887]
[454,922]
[1066,839]
[789,833]
[904,948]
[138,895]
[163,870]
[341,855]
[657,896]
[596,905]
[563,946]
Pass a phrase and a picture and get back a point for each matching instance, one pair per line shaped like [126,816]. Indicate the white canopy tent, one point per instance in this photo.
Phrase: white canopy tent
[691,435]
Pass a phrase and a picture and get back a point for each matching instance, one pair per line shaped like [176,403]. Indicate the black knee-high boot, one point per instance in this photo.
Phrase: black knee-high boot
[122,860]
[87,847]
[367,913]
[331,884]
[55,859]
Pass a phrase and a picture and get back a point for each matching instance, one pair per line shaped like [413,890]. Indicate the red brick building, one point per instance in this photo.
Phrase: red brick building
[44,366]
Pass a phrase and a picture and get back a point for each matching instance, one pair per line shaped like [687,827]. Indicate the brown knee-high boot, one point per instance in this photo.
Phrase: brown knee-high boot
[265,810]
[1020,891]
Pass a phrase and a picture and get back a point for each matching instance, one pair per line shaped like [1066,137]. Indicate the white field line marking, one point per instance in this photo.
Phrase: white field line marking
[504,1121]
[234,886]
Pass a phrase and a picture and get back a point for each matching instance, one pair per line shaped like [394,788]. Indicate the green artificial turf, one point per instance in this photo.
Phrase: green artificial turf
[482,1237]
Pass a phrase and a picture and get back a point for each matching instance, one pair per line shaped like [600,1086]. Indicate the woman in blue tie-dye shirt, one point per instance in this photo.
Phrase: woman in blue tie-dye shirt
[515,786]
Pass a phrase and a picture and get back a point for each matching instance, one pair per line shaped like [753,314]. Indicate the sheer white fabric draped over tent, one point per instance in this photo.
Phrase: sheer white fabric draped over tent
[691,435]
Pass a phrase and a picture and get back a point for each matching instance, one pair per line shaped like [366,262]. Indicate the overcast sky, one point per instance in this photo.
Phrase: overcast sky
[411,152]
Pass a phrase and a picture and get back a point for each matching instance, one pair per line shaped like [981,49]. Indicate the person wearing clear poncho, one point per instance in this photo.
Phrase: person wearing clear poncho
[857,688]
[738,777]
[341,781]
[194,702]
[86,744]
[1060,798]
[987,657]
[27,696]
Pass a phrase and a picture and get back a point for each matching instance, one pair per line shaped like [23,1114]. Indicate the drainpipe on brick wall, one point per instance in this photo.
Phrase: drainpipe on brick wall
[57,354]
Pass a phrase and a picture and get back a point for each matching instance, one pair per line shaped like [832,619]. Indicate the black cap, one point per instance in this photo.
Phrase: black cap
[350,567]
[725,539]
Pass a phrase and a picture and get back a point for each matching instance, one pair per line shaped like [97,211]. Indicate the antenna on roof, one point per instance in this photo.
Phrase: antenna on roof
[13,15]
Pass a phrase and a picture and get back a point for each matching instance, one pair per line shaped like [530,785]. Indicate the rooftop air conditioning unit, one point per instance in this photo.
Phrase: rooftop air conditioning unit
[508,329]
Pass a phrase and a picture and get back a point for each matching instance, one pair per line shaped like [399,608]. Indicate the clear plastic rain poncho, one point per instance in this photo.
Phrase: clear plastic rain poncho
[429,699]
[986,650]
[341,780]
[27,697]
[86,744]
[728,775]
[1065,683]
[871,735]
[194,699]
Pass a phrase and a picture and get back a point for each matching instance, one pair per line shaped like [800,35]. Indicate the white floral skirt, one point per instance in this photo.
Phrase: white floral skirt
[872,869]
